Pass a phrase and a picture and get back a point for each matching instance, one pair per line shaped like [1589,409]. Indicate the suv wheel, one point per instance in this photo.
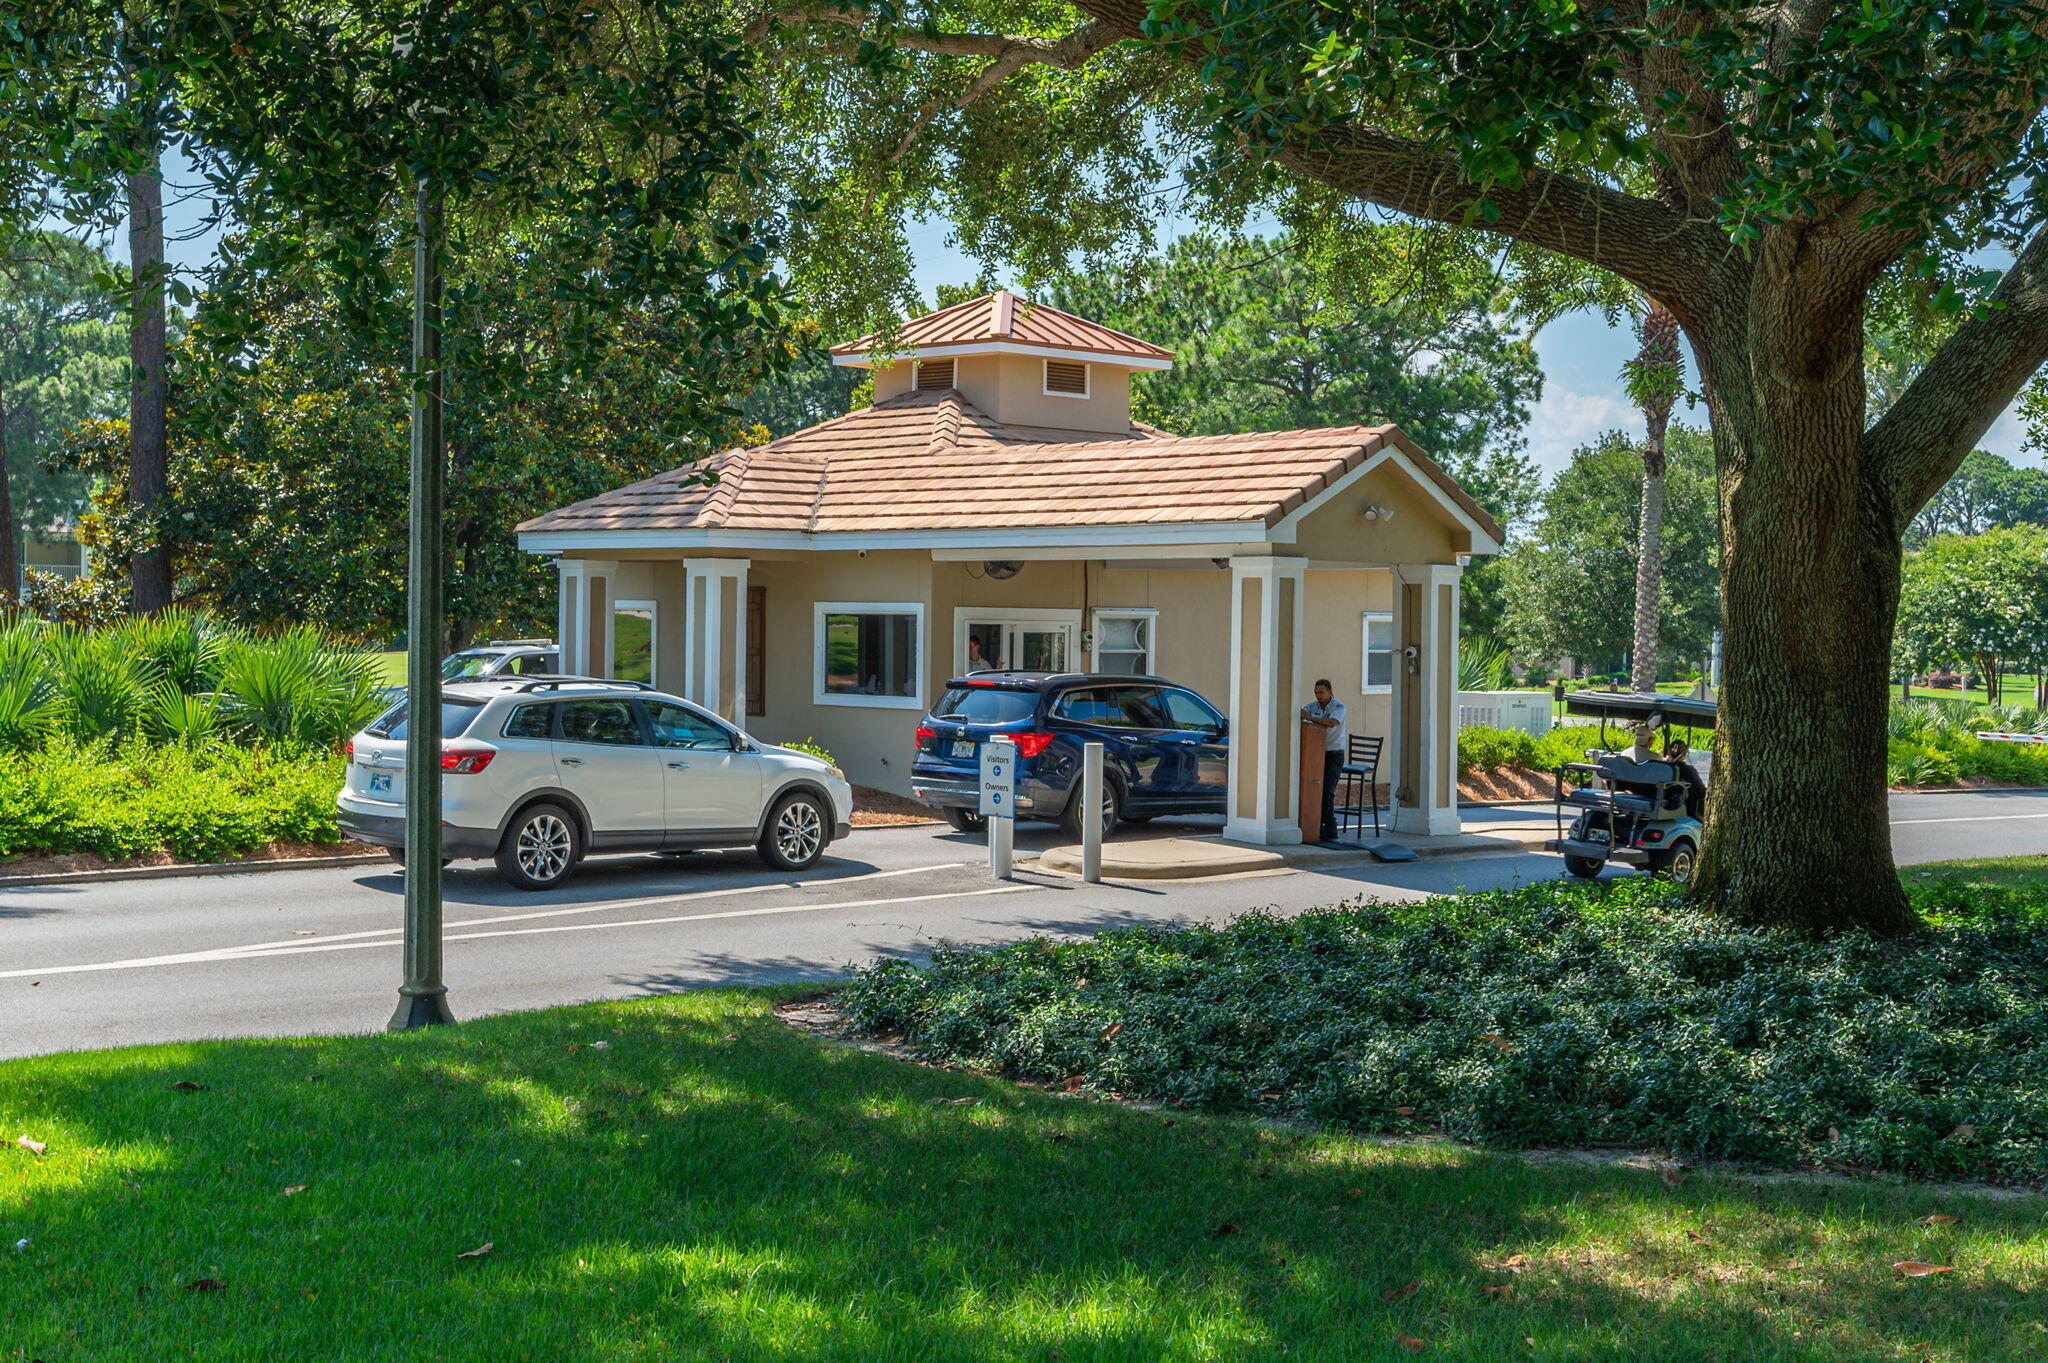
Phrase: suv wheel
[539,849]
[964,820]
[795,836]
[1112,809]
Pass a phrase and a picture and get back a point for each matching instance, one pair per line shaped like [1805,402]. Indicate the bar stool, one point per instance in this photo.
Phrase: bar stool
[1358,784]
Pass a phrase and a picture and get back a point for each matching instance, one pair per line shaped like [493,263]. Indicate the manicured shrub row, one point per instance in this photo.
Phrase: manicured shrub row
[1552,1014]
[1482,748]
[199,804]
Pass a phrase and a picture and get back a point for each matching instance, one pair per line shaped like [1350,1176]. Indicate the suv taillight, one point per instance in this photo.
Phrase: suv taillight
[466,761]
[925,734]
[348,750]
[1031,745]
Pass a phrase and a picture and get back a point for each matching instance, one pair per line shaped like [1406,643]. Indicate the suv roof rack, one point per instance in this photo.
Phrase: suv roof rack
[520,643]
[557,683]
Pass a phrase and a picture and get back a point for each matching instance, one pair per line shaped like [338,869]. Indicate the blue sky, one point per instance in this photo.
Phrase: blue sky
[1581,355]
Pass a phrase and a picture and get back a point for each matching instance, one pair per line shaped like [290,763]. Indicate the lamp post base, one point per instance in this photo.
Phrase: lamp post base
[421,1010]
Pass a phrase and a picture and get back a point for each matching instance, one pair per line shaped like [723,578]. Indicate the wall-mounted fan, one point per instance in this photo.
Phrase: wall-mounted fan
[1002,569]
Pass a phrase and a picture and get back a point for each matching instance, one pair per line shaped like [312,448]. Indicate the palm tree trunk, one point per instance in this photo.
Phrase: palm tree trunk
[10,542]
[1654,381]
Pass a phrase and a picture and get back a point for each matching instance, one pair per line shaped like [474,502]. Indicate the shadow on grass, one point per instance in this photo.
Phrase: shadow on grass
[685,1178]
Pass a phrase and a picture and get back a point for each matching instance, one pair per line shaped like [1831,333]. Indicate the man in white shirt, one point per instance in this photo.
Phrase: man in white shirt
[1326,712]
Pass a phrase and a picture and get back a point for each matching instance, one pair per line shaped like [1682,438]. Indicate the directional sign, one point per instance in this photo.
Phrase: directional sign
[999,780]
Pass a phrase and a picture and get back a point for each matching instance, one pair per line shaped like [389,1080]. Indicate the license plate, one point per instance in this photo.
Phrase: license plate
[380,783]
[963,747]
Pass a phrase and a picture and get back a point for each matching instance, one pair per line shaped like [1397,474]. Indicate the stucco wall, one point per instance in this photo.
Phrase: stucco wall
[1011,388]
[1417,532]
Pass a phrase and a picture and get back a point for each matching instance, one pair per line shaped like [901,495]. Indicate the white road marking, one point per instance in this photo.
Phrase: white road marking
[1972,818]
[264,950]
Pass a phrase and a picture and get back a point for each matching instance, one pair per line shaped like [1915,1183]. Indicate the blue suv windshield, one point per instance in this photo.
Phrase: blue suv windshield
[986,705]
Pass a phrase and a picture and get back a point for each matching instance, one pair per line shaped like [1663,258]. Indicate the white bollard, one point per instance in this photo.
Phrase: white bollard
[999,791]
[1001,845]
[1091,812]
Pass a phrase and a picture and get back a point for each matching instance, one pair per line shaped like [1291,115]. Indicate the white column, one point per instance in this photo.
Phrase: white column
[570,604]
[715,635]
[594,628]
[1424,772]
[1266,616]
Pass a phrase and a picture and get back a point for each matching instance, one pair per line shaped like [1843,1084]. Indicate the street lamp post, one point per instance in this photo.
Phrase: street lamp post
[422,997]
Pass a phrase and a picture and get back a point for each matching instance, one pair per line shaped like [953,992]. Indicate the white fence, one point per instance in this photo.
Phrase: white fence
[1529,711]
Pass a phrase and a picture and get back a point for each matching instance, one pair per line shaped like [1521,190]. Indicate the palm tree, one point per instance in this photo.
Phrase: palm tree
[1653,379]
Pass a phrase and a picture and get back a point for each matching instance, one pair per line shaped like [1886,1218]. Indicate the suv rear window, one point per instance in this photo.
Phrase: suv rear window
[456,717]
[986,705]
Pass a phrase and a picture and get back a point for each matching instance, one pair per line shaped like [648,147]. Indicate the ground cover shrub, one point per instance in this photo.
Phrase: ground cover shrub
[1551,1014]
[131,799]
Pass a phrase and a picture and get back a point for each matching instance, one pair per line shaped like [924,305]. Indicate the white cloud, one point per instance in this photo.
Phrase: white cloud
[1567,418]
[2005,436]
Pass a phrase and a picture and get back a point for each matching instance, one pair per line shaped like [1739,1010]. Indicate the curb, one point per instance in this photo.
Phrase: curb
[203,868]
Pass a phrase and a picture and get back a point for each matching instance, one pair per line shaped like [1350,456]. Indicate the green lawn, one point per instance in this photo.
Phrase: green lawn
[2002,872]
[686,1178]
[392,666]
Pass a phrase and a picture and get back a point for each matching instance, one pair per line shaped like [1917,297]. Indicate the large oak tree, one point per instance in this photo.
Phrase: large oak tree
[1760,171]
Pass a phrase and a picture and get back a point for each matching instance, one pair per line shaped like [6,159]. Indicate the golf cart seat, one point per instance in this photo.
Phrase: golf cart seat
[1630,787]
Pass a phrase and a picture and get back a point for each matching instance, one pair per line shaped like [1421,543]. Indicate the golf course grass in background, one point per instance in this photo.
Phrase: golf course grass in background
[686,1177]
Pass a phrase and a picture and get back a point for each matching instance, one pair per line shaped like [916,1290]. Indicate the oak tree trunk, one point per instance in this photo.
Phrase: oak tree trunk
[1798,827]
[148,452]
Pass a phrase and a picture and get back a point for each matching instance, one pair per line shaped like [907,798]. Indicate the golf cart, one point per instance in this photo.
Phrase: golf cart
[1640,813]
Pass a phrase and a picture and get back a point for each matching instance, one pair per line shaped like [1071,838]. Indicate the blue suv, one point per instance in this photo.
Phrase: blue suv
[1165,749]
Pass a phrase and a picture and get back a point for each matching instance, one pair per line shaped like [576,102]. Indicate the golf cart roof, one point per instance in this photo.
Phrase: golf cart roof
[1640,707]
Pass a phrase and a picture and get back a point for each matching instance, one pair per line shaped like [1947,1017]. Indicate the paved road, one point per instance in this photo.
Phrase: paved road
[293,952]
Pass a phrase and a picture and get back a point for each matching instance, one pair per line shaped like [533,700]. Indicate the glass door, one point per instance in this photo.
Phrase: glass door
[993,643]
[1040,648]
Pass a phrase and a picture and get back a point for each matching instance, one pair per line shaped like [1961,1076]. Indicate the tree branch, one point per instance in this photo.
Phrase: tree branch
[1006,54]
[1671,258]
[1924,436]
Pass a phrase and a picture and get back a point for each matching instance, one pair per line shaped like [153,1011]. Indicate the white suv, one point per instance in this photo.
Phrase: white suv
[538,771]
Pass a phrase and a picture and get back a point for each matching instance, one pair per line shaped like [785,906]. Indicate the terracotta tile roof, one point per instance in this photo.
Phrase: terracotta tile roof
[932,461]
[1003,316]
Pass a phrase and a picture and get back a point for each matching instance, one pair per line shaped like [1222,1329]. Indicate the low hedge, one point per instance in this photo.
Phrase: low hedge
[1481,748]
[1549,1015]
[131,800]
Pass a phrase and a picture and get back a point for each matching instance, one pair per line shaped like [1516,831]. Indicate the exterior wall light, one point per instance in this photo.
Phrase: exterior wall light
[1375,512]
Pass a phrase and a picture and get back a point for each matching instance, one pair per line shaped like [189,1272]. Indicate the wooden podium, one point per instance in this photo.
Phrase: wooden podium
[1309,800]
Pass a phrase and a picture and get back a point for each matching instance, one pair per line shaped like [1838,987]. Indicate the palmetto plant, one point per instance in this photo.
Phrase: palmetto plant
[1483,665]
[28,693]
[179,678]
[296,688]
[102,687]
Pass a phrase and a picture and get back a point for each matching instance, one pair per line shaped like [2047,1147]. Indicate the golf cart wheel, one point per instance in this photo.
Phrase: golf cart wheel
[397,854]
[1112,810]
[964,820]
[1583,867]
[1679,864]
[795,836]
[540,849]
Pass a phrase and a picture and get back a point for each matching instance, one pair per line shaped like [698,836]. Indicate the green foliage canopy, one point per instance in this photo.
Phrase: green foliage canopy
[1977,600]
[1569,584]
